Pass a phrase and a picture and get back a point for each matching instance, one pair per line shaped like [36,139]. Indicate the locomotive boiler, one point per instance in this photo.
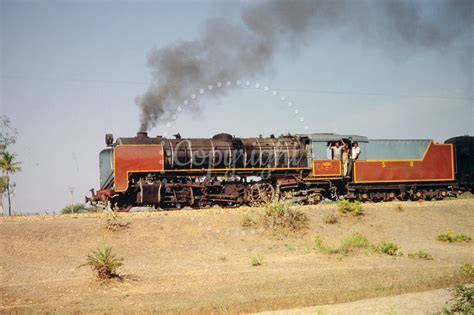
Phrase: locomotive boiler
[230,171]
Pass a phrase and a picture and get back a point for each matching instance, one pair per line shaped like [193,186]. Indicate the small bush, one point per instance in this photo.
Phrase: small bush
[104,262]
[256,260]
[467,270]
[387,248]
[450,237]
[319,243]
[421,255]
[284,215]
[462,300]
[355,241]
[331,219]
[247,222]
[345,206]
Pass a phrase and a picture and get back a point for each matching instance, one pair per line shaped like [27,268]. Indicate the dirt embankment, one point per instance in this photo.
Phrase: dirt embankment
[198,261]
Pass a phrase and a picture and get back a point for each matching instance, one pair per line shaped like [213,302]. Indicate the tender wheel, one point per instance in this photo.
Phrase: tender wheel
[261,194]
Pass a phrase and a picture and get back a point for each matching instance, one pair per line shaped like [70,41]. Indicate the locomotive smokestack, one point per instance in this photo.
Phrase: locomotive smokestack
[142,134]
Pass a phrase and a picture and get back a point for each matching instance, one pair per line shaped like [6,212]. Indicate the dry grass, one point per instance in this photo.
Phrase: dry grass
[176,254]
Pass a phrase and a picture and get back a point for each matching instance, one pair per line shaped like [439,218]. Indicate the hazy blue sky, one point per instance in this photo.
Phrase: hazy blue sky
[71,70]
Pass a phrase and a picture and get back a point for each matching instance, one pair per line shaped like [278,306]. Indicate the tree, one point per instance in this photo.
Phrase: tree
[2,190]
[8,134]
[76,208]
[9,166]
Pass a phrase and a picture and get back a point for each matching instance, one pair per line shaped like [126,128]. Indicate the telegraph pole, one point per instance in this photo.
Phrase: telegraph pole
[71,190]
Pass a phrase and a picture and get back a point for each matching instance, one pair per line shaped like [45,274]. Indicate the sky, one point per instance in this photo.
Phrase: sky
[71,72]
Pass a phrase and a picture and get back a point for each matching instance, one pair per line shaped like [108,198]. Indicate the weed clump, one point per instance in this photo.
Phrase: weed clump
[450,237]
[467,270]
[387,248]
[331,219]
[354,208]
[114,222]
[284,215]
[104,262]
[462,300]
[256,260]
[462,295]
[319,243]
[421,255]
[247,221]
[355,241]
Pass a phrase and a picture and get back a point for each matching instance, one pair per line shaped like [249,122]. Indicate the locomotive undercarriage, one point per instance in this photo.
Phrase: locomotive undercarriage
[201,192]
[389,192]
[197,192]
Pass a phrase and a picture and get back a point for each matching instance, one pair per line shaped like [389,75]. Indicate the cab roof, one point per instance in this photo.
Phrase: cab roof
[328,137]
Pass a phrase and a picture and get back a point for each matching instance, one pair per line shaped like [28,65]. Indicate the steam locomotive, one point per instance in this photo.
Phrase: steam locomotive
[228,171]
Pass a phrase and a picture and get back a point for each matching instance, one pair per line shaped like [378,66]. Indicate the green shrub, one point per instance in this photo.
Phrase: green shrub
[256,260]
[450,237]
[387,248]
[284,215]
[104,262]
[467,270]
[319,243]
[355,241]
[421,255]
[462,300]
[345,206]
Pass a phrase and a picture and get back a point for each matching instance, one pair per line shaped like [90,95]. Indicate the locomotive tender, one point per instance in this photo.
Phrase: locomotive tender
[229,171]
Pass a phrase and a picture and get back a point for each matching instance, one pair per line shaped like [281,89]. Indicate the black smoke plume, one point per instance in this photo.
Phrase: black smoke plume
[229,51]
